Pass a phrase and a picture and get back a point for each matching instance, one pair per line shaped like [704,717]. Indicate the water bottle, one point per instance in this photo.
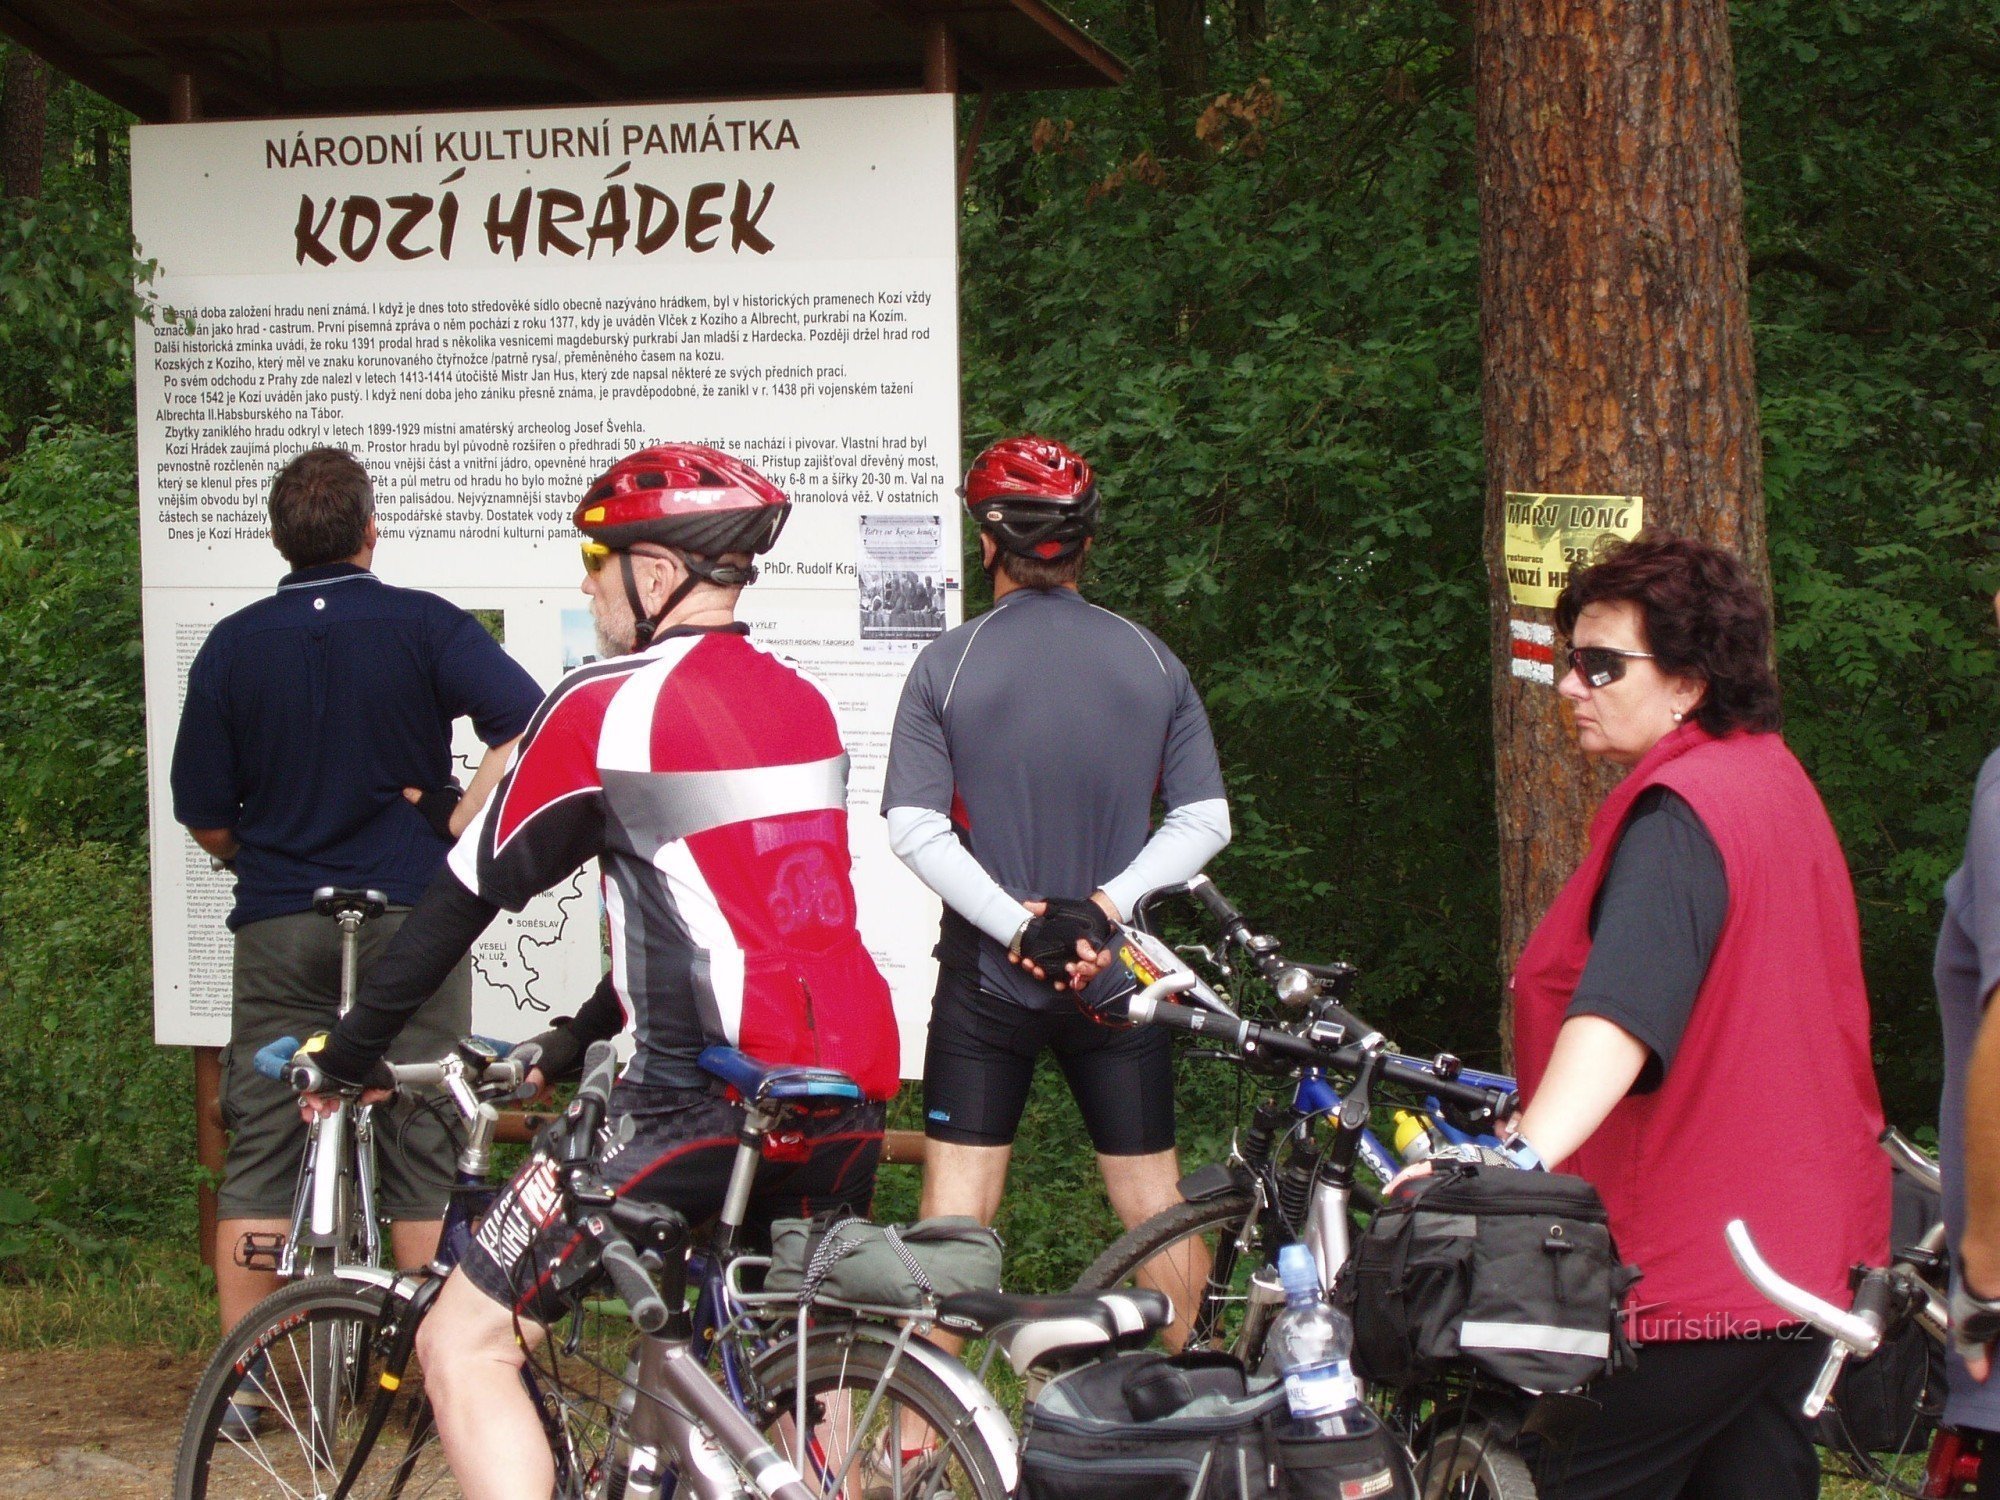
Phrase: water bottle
[1311,1345]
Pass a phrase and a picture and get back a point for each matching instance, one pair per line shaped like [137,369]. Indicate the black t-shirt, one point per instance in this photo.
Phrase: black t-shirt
[1654,927]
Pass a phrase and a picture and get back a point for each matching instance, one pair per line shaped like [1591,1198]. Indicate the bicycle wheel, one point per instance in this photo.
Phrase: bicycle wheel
[310,1406]
[1471,1461]
[1202,1255]
[859,1413]
[308,1362]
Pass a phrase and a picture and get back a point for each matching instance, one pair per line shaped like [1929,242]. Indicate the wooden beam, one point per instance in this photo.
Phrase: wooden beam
[1102,59]
[308,15]
[210,71]
[86,68]
[900,1148]
[571,60]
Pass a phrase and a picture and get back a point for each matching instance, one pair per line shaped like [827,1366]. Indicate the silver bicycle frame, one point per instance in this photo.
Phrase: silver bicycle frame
[338,1146]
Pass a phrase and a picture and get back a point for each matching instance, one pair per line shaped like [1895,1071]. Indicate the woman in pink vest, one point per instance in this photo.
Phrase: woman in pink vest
[1691,1029]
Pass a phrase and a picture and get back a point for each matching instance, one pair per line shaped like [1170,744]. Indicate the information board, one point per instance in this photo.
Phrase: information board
[488,309]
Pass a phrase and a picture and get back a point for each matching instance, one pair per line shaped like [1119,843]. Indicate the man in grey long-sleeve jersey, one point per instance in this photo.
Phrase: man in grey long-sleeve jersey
[1029,746]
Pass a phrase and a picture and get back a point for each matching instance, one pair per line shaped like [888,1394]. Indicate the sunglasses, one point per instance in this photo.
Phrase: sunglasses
[596,556]
[1598,666]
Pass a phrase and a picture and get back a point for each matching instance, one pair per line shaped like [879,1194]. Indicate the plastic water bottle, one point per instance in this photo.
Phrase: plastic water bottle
[1311,1346]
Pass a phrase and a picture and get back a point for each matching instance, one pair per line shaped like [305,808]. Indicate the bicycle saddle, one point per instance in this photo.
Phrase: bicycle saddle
[1043,1333]
[767,1083]
[333,900]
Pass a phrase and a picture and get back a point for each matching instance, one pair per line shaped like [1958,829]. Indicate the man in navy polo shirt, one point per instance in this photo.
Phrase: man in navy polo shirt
[313,742]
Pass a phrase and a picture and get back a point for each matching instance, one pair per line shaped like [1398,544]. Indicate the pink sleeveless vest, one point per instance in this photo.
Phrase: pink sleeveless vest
[1769,1112]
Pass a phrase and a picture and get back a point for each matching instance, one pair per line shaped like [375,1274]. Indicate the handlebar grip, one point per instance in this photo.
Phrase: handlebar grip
[643,1303]
[305,1078]
[1450,1090]
[1146,1009]
[586,1112]
[273,1058]
[600,1071]
[1213,901]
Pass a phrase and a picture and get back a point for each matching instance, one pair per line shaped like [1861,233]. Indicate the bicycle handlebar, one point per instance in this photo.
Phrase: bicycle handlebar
[498,1077]
[1905,1155]
[1150,1006]
[1859,1331]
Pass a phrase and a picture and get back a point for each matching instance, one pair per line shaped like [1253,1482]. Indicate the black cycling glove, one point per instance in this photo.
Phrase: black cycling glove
[438,804]
[561,1047]
[1049,941]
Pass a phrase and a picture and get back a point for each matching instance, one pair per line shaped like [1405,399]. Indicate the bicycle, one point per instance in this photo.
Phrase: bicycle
[334,1221]
[826,1396]
[1887,1300]
[1281,1184]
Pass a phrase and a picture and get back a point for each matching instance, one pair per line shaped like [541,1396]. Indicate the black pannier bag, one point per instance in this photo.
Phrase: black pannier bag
[1512,1272]
[1150,1426]
[1891,1401]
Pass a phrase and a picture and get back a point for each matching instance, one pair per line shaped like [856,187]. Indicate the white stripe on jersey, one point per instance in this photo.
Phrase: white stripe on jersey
[621,972]
[694,899]
[1136,631]
[625,743]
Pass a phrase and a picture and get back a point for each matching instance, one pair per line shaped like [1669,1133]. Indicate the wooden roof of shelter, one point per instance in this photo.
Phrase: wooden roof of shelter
[254,59]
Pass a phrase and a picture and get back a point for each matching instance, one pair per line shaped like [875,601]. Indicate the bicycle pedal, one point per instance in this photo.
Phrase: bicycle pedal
[260,1252]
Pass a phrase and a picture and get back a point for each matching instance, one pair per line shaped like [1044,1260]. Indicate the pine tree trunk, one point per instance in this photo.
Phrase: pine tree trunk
[1615,330]
[1180,27]
[24,116]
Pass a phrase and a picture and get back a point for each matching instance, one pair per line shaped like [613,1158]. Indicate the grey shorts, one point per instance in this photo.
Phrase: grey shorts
[287,983]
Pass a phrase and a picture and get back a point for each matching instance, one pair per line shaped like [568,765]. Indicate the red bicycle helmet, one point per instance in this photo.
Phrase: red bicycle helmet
[687,497]
[1033,495]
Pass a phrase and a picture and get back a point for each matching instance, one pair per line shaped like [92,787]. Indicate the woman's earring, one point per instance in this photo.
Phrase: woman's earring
[1678,716]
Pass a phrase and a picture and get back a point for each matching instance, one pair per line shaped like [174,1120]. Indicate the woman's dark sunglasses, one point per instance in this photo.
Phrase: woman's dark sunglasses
[1599,666]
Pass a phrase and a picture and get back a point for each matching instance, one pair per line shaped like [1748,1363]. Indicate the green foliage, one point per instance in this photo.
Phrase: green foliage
[96,1123]
[1271,350]
[1870,159]
[72,734]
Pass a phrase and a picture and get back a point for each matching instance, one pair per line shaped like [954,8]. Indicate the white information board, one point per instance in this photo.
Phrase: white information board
[488,309]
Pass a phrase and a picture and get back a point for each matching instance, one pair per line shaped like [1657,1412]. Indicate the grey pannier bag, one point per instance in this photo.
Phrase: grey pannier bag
[847,1259]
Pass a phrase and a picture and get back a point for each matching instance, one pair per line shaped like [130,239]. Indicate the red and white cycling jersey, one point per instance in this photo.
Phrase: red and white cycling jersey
[708,777]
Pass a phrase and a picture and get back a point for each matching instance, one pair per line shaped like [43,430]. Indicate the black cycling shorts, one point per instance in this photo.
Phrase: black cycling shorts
[980,1060]
[681,1149]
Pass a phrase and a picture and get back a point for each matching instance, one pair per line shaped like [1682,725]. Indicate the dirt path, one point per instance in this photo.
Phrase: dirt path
[91,1424]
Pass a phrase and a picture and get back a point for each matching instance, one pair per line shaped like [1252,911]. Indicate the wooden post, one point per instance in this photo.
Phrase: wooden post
[940,57]
[210,1143]
[183,99]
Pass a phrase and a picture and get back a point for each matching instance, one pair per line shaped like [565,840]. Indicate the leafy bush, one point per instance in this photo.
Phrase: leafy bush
[96,1123]
[72,732]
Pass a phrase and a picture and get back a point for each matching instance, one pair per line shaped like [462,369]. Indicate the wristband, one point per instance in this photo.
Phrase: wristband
[1518,1150]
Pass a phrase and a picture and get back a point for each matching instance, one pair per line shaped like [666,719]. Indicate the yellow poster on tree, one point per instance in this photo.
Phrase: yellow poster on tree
[1549,535]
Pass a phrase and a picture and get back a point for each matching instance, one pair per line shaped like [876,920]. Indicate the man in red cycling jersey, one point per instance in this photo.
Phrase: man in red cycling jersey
[708,776]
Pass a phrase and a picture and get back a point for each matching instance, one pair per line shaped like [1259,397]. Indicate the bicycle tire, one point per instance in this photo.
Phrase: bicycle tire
[287,1456]
[1471,1461]
[307,1435]
[843,1371]
[1216,1311]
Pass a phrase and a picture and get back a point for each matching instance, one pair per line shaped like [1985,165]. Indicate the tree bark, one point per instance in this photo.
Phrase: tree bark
[1614,310]
[1180,27]
[1252,20]
[24,118]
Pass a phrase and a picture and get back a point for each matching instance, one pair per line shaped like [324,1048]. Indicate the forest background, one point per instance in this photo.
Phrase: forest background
[1246,285]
